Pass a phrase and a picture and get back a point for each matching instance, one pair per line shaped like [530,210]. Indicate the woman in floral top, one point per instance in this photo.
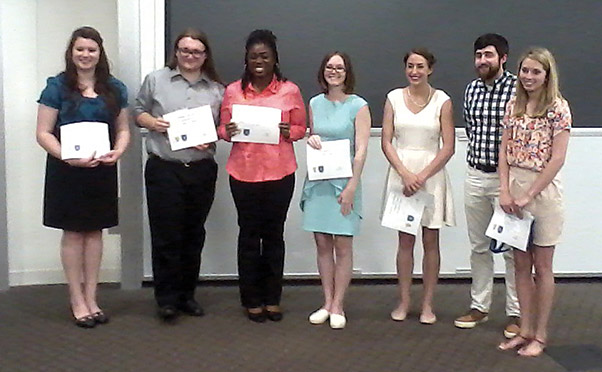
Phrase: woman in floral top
[534,144]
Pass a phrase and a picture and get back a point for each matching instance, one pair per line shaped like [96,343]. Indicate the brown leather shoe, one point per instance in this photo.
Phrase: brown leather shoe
[471,319]
[512,327]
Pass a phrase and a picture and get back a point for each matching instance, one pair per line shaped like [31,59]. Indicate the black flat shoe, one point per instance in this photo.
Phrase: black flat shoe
[191,307]
[100,317]
[257,317]
[86,321]
[274,316]
[167,313]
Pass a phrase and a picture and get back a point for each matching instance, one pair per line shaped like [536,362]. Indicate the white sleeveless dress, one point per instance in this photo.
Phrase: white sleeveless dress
[417,139]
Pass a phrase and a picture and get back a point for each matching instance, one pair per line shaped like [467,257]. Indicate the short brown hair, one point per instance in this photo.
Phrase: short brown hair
[430,57]
[349,75]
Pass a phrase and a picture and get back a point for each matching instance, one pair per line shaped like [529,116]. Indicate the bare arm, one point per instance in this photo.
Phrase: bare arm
[314,140]
[122,138]
[363,122]
[506,200]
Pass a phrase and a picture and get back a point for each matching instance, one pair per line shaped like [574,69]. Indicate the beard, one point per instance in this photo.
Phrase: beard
[490,73]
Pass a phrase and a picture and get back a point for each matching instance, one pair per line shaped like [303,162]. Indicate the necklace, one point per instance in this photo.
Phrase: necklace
[416,103]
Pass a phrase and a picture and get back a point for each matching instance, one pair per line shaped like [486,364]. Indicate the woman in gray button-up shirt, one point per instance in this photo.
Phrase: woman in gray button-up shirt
[180,185]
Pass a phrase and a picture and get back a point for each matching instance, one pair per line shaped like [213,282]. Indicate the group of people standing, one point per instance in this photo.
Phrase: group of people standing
[518,131]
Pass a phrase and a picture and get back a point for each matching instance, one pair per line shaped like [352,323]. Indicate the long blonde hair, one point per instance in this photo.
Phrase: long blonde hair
[551,91]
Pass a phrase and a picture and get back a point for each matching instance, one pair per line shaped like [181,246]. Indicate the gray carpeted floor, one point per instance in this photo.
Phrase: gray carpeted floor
[37,334]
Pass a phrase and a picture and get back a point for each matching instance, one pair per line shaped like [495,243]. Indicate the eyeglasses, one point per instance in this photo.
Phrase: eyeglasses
[188,52]
[337,69]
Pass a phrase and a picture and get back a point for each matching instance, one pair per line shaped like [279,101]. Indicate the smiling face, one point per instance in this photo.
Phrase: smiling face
[260,61]
[335,72]
[532,75]
[190,54]
[85,54]
[488,63]
[417,69]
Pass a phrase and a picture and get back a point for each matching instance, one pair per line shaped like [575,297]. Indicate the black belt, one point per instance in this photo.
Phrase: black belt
[485,168]
[177,162]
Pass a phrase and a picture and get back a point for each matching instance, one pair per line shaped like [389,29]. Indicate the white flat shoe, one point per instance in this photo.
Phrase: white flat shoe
[398,316]
[337,321]
[319,316]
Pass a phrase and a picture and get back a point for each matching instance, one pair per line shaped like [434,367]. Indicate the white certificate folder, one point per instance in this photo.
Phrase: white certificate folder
[404,213]
[81,140]
[257,124]
[333,160]
[190,127]
[509,229]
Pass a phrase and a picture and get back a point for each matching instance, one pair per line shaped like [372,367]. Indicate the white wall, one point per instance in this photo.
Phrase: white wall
[375,247]
[35,34]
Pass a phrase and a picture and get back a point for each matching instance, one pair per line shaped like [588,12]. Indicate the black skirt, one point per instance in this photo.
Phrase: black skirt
[79,199]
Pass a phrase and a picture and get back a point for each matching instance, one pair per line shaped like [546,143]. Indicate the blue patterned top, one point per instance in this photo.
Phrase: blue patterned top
[75,108]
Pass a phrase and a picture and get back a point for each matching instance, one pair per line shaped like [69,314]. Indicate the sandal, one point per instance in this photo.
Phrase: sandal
[514,342]
[100,317]
[524,351]
[86,321]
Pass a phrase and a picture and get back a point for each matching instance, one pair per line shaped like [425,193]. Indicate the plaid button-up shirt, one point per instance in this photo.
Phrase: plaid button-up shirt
[484,108]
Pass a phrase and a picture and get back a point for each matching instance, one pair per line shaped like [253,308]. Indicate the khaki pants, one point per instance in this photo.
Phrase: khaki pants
[480,191]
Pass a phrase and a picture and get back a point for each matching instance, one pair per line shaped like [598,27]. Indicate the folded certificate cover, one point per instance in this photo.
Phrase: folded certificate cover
[404,213]
[190,127]
[257,124]
[81,140]
[509,229]
[333,160]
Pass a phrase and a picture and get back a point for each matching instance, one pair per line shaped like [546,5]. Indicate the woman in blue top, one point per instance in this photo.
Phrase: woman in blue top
[80,195]
[332,208]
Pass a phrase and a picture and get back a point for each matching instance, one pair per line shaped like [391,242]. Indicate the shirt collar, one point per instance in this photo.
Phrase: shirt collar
[176,72]
[272,87]
[505,75]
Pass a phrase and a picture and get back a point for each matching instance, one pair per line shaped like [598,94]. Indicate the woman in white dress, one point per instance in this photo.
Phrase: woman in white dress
[420,119]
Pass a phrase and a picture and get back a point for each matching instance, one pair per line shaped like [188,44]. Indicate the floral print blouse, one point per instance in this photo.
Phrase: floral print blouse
[531,138]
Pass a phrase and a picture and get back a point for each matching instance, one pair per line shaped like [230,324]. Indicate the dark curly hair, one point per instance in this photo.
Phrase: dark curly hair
[267,38]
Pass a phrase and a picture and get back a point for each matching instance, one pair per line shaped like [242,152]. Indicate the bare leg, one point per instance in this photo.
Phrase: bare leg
[343,246]
[405,268]
[543,297]
[72,257]
[523,264]
[92,260]
[326,266]
[430,271]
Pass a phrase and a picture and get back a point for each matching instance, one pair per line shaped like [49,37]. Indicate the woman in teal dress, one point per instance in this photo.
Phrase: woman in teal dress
[80,195]
[333,208]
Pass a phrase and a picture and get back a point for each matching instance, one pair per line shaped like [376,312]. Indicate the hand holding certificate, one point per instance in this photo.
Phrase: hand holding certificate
[404,213]
[256,124]
[331,161]
[84,139]
[190,127]
[509,229]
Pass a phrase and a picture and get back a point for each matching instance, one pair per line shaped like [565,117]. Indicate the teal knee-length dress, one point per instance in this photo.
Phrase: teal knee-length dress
[332,120]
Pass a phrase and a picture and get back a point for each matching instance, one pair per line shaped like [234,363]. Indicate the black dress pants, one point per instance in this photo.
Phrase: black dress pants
[179,198]
[262,208]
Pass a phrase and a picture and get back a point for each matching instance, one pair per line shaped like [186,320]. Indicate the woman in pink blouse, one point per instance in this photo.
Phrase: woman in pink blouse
[262,176]
[533,149]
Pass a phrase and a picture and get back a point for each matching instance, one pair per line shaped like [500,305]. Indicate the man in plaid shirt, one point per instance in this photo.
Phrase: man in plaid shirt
[485,101]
